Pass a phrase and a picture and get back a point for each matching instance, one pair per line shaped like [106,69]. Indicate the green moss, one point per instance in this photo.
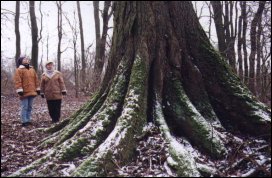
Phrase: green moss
[182,162]
[194,126]
[235,103]
[73,150]
[129,124]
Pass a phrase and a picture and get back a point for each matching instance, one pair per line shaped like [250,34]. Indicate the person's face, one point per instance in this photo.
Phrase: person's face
[25,61]
[49,66]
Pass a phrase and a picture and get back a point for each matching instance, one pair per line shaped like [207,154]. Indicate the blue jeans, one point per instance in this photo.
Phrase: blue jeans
[26,105]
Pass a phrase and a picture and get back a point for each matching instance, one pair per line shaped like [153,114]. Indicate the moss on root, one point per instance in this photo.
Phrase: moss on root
[121,142]
[92,134]
[234,104]
[180,159]
[185,117]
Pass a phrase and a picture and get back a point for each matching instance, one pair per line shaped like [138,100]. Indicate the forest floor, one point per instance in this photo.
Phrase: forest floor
[247,156]
[19,144]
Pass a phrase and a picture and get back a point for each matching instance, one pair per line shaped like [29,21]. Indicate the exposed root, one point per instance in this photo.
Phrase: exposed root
[180,159]
[184,118]
[121,142]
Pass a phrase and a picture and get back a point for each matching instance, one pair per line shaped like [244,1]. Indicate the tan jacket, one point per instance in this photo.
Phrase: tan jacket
[52,86]
[26,81]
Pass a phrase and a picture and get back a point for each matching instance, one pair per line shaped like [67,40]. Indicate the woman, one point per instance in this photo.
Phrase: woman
[52,88]
[27,86]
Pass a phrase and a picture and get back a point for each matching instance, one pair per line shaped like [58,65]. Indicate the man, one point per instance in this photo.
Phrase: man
[52,88]
[27,86]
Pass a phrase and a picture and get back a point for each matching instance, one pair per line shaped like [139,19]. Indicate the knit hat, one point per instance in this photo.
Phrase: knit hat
[48,62]
[20,60]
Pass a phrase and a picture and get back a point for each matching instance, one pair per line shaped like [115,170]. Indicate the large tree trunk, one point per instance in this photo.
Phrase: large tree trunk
[17,32]
[165,70]
[34,33]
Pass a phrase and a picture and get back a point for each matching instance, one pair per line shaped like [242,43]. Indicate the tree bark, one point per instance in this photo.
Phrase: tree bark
[229,35]
[244,17]
[218,14]
[17,32]
[162,68]
[83,60]
[100,39]
[253,38]
[239,47]
[59,6]
[258,58]
[34,33]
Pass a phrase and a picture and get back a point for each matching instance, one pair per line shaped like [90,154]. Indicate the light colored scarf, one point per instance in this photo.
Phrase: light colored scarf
[50,72]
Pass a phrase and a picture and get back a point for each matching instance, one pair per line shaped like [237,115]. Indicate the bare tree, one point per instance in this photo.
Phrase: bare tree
[17,32]
[218,14]
[253,37]
[244,36]
[226,30]
[34,32]
[239,46]
[40,37]
[73,27]
[47,49]
[83,60]
[100,40]
[60,32]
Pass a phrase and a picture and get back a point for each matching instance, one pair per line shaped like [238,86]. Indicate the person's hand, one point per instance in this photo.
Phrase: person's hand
[63,93]
[42,95]
[38,92]
[20,93]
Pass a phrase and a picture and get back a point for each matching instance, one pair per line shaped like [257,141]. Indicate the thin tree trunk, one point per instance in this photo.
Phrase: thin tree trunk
[59,6]
[47,49]
[218,14]
[229,34]
[244,17]
[253,36]
[17,32]
[239,47]
[258,59]
[100,40]
[34,33]
[83,60]
[98,59]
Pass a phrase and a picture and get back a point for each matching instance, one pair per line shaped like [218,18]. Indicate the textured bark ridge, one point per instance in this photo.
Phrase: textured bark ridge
[162,69]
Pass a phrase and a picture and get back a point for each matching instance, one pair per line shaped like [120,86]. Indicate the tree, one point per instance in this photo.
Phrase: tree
[244,18]
[226,33]
[218,14]
[100,40]
[162,68]
[83,60]
[17,31]
[239,46]
[60,31]
[253,40]
[34,33]
[75,35]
